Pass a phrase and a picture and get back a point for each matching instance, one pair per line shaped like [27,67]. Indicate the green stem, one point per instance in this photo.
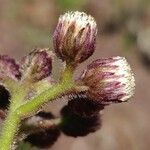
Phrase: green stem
[48,95]
[12,120]
[66,84]
[9,130]
[16,110]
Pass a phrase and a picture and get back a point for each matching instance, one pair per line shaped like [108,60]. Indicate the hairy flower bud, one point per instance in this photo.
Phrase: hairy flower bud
[74,37]
[9,68]
[43,137]
[37,65]
[109,80]
[75,125]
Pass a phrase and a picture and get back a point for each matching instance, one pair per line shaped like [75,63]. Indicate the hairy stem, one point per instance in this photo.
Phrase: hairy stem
[12,120]
[9,131]
[17,111]
[37,102]
[66,85]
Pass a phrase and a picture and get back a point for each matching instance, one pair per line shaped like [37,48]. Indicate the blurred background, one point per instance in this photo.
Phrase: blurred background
[124,30]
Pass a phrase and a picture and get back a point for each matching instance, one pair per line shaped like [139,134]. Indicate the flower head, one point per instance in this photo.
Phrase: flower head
[38,64]
[75,36]
[109,80]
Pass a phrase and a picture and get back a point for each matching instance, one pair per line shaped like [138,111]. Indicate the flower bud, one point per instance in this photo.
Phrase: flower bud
[109,80]
[37,65]
[45,137]
[9,68]
[74,37]
[75,125]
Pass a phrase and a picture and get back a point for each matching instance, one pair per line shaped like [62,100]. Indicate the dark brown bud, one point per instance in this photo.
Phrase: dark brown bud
[44,136]
[75,125]
[43,139]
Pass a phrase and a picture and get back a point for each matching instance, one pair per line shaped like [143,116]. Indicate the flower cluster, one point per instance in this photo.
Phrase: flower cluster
[35,67]
[103,82]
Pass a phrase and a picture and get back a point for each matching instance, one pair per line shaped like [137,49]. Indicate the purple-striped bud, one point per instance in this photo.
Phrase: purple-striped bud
[74,37]
[109,80]
[37,65]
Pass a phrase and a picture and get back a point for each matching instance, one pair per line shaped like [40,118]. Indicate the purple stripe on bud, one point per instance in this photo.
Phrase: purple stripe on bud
[74,37]
[109,80]
[37,65]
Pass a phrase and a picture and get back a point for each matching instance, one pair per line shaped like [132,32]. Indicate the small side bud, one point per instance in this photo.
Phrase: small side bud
[109,80]
[9,68]
[4,97]
[44,137]
[74,37]
[37,65]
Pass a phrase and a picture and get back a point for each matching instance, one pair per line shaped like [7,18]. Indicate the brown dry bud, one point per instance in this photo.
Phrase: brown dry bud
[42,137]
[75,125]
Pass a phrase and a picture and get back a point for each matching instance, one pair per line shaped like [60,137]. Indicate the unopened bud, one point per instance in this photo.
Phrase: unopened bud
[109,80]
[45,137]
[37,65]
[74,37]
